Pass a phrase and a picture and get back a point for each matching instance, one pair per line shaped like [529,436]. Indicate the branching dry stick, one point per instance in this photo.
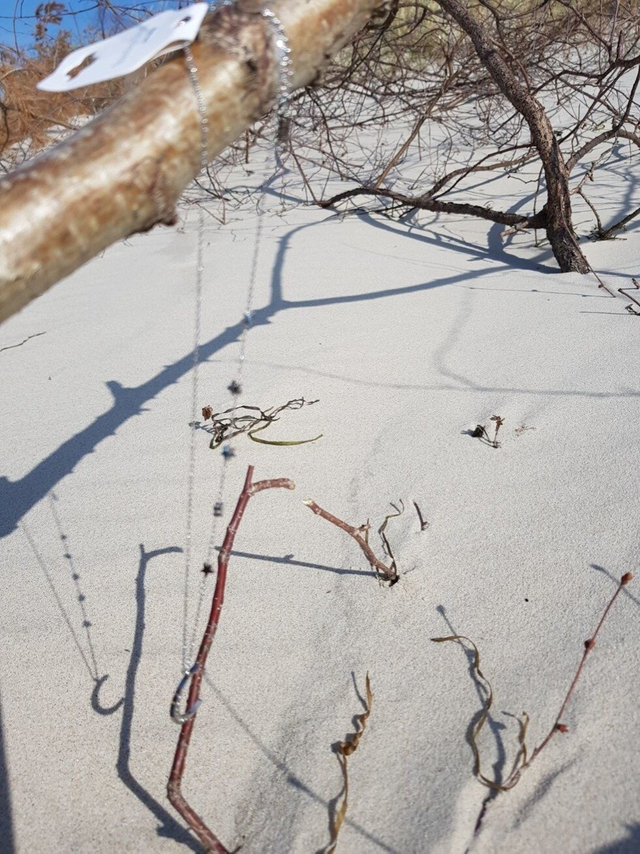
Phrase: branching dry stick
[204,834]
[389,572]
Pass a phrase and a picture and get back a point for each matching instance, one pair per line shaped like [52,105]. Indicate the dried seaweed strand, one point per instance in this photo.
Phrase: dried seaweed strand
[389,572]
[241,419]
[475,732]
[343,750]
[523,760]
[385,542]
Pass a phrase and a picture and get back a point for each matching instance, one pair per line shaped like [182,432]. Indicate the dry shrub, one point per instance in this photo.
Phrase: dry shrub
[30,118]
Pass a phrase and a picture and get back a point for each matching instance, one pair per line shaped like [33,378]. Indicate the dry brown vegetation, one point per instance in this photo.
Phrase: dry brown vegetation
[30,118]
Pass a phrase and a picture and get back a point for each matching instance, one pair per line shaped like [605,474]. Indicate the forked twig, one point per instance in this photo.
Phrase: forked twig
[523,760]
[389,572]
[187,720]
[630,308]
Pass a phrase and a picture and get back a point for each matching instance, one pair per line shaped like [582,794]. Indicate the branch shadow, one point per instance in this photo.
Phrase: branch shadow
[542,790]
[629,844]
[468,385]
[169,826]
[7,839]
[287,560]
[19,496]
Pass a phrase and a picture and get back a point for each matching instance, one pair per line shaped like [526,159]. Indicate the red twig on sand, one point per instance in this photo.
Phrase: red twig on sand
[208,839]
[389,572]
[589,644]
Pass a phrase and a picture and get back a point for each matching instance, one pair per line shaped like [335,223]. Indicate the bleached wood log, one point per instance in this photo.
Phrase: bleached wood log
[124,172]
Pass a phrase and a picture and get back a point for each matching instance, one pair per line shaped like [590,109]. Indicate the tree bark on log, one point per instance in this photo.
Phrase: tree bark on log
[123,172]
[559,225]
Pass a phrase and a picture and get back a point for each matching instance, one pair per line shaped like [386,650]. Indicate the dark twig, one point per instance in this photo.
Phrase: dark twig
[630,307]
[28,338]
[204,834]
[389,572]
[423,522]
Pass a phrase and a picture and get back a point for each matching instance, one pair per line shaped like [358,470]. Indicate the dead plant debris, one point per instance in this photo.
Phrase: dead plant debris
[523,759]
[343,750]
[481,432]
[424,524]
[361,536]
[250,420]
[386,546]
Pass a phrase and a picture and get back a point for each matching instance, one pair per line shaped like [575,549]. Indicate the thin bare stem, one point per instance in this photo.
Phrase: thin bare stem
[523,760]
[357,534]
[174,792]
[423,522]
[589,644]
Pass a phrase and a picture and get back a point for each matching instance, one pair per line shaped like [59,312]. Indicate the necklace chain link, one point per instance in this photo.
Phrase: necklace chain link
[282,53]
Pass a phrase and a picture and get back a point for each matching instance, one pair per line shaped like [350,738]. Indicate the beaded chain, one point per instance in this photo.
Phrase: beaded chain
[282,54]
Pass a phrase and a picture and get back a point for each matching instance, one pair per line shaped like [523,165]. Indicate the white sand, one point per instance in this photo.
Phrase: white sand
[409,337]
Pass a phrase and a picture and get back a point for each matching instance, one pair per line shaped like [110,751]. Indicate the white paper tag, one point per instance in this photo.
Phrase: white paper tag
[127,51]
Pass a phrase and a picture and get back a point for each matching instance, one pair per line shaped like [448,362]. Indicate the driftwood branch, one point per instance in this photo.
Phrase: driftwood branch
[174,786]
[123,172]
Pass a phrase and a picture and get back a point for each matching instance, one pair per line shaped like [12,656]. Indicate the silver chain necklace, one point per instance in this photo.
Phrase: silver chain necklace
[282,55]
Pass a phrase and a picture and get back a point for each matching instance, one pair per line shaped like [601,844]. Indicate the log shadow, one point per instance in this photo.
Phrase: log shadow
[19,496]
